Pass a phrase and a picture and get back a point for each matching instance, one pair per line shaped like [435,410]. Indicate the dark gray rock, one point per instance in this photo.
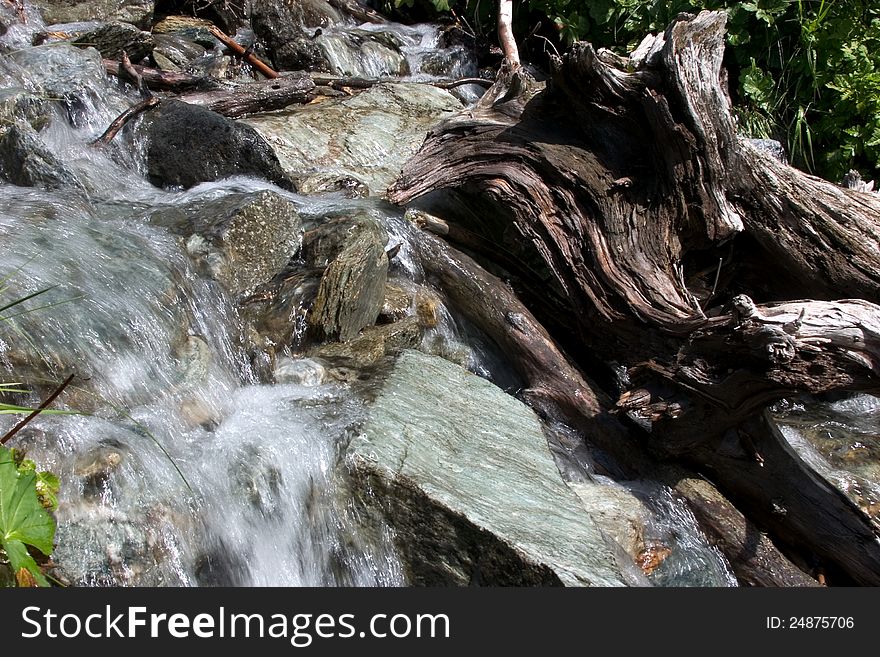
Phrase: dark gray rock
[279,26]
[26,161]
[111,39]
[190,144]
[353,285]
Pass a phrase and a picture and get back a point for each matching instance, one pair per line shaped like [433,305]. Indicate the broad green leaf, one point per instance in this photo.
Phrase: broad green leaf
[23,521]
[20,558]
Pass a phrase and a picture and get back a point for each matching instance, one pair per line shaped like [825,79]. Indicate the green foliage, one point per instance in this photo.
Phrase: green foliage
[23,519]
[806,72]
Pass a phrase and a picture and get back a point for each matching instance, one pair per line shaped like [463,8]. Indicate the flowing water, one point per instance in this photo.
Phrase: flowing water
[185,467]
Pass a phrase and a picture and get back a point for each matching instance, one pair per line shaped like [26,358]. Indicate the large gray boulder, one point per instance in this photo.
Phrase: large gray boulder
[367,137]
[189,144]
[463,474]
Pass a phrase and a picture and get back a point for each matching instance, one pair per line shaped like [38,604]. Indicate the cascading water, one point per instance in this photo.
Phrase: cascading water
[185,465]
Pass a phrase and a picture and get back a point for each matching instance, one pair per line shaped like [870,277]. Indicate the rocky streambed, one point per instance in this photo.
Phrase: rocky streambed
[272,390]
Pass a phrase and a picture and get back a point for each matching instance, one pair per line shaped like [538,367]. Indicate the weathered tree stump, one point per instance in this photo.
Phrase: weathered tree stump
[643,230]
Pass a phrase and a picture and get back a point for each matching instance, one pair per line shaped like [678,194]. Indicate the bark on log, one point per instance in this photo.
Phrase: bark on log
[262,96]
[160,80]
[623,186]
[558,390]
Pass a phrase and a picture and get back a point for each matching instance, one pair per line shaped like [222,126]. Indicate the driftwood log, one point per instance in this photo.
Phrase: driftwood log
[649,238]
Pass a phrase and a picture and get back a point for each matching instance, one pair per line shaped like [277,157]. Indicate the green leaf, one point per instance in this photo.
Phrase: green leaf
[20,558]
[23,521]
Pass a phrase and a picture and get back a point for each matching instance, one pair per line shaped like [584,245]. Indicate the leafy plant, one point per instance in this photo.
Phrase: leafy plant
[23,519]
[27,495]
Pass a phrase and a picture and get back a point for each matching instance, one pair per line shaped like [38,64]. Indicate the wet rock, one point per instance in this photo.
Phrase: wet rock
[240,240]
[111,39]
[319,13]
[368,136]
[163,63]
[73,77]
[190,28]
[136,12]
[25,160]
[324,242]
[278,309]
[330,183]
[257,480]
[617,512]
[464,475]
[352,287]
[428,308]
[190,144]
[372,345]
[301,371]
[100,546]
[397,302]
[176,49]
[363,54]
[279,26]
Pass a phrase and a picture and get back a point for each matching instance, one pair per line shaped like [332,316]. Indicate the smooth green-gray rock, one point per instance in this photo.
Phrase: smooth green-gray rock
[363,54]
[463,474]
[353,284]
[366,137]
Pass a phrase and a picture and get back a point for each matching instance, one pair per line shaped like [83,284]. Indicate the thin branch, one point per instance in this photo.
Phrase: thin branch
[18,427]
[243,52]
[120,121]
[134,76]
